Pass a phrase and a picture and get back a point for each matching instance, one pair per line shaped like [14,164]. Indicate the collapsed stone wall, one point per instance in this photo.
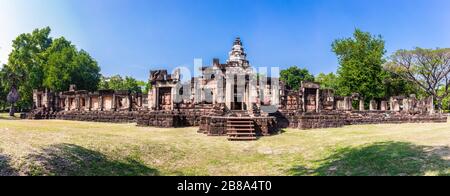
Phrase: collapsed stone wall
[340,119]
[90,116]
[183,117]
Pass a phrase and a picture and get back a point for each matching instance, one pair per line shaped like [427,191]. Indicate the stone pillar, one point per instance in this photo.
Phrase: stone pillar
[384,106]
[67,107]
[56,104]
[139,101]
[431,105]
[406,106]
[373,105]
[229,91]
[303,100]
[318,100]
[172,98]
[361,104]
[88,104]
[100,103]
[153,102]
[275,93]
[77,103]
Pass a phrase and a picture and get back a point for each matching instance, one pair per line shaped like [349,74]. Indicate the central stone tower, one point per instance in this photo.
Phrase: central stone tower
[237,56]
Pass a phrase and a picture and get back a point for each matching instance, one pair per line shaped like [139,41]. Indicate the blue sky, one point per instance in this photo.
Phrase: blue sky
[130,37]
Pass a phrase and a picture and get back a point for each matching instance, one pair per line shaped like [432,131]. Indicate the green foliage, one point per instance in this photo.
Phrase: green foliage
[445,100]
[327,81]
[429,69]
[395,86]
[118,83]
[293,76]
[361,60]
[3,92]
[145,86]
[37,61]
[66,66]
[25,63]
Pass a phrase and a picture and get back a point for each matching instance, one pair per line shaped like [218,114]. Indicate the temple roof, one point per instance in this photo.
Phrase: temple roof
[237,56]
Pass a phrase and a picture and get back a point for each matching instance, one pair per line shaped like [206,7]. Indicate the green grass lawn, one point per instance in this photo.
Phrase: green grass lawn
[81,148]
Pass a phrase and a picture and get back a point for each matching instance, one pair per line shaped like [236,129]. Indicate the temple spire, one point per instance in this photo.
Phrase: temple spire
[237,56]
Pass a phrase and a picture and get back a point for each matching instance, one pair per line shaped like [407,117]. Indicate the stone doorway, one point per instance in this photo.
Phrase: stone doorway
[238,99]
[311,100]
[165,99]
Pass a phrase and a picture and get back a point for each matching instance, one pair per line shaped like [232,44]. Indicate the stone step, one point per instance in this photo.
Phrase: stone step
[240,129]
[241,138]
[240,125]
[240,122]
[241,134]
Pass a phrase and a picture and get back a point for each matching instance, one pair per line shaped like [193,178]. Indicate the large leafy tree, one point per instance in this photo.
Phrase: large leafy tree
[25,63]
[2,89]
[293,76]
[427,68]
[66,65]
[361,60]
[37,61]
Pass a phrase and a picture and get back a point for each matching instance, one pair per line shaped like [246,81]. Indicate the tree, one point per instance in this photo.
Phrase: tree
[293,76]
[395,86]
[3,91]
[132,84]
[427,68]
[118,83]
[86,73]
[37,61]
[445,101]
[26,63]
[327,81]
[66,65]
[145,86]
[361,60]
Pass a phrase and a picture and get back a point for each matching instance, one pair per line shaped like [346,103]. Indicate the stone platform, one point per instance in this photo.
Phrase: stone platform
[217,125]
[339,119]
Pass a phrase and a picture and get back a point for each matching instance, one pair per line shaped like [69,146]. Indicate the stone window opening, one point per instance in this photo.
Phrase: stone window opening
[39,101]
[83,102]
[355,104]
[119,102]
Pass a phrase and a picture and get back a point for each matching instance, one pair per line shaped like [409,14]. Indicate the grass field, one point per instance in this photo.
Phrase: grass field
[82,148]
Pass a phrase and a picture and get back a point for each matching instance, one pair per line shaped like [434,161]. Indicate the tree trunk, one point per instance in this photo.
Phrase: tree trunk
[12,111]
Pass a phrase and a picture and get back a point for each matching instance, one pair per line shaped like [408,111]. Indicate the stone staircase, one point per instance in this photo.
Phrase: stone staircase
[241,129]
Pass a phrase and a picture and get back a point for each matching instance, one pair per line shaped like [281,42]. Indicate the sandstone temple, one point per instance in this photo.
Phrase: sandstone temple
[230,99]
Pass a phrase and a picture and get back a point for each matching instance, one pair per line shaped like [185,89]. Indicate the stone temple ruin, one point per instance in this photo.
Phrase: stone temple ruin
[230,99]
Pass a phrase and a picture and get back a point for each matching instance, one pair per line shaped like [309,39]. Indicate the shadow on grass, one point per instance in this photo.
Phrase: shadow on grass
[5,168]
[73,160]
[7,117]
[382,159]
